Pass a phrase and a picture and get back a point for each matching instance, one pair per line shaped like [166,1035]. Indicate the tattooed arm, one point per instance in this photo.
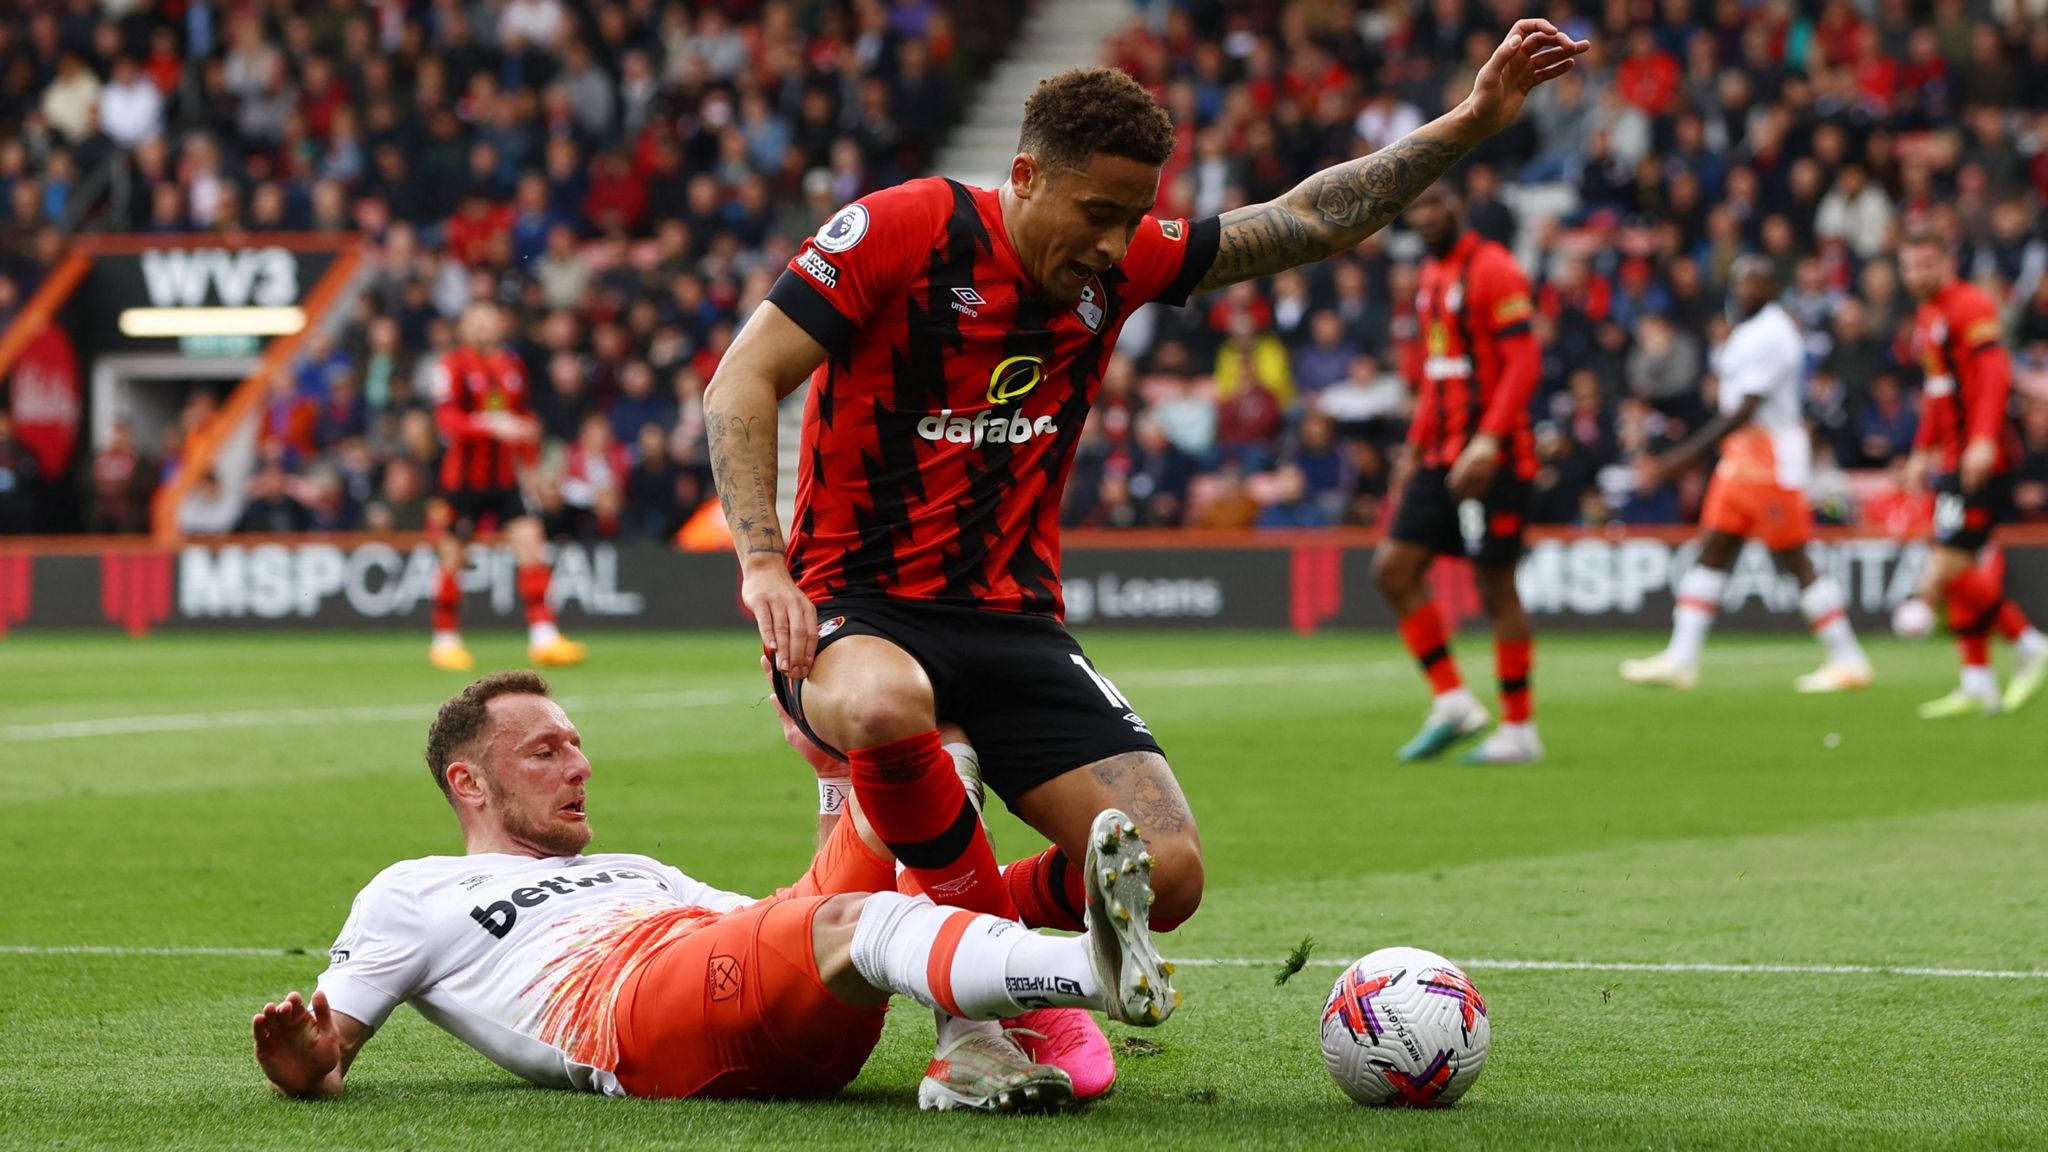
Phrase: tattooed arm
[771,357]
[1336,208]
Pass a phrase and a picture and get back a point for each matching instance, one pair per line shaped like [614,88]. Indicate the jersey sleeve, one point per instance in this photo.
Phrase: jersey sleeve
[379,960]
[1167,258]
[698,894]
[867,252]
[1972,323]
[1504,297]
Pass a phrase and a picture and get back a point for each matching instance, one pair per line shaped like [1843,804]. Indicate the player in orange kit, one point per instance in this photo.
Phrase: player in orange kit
[484,409]
[1968,445]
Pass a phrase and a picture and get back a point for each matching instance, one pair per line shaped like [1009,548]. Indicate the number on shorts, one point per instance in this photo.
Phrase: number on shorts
[1948,514]
[1109,692]
[1472,524]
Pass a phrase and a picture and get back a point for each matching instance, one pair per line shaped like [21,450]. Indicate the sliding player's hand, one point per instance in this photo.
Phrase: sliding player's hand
[1472,475]
[297,1044]
[788,621]
[1534,52]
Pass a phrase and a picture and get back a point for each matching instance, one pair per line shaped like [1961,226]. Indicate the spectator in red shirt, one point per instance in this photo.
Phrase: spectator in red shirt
[1648,78]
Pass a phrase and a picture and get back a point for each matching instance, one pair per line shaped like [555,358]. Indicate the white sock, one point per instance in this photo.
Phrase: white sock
[1980,681]
[448,639]
[1822,603]
[1699,598]
[2031,645]
[1000,968]
[542,635]
[1461,696]
[1523,731]
[951,1028]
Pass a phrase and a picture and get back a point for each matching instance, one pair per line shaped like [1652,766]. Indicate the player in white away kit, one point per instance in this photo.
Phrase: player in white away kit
[1758,492]
[617,974]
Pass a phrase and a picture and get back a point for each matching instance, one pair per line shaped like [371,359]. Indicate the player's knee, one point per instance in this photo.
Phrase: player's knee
[836,918]
[882,709]
[1176,882]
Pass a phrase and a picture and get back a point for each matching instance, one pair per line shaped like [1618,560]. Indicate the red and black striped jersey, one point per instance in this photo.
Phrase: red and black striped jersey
[467,384]
[939,431]
[1968,386]
[1479,359]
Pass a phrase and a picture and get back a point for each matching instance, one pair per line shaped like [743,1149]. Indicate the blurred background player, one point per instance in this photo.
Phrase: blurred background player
[1467,491]
[1968,443]
[1758,491]
[485,412]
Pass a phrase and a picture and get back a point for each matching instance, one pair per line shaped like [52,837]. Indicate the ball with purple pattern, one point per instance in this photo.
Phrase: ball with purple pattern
[1405,1028]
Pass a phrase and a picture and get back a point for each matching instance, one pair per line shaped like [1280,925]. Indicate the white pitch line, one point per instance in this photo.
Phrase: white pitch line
[1676,967]
[1226,677]
[1483,965]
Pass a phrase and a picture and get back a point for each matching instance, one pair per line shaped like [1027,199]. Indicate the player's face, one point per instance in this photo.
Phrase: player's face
[1751,292]
[1075,224]
[1432,219]
[1924,268]
[535,775]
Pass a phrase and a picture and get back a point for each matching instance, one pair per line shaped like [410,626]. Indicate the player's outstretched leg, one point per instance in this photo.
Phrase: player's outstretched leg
[982,967]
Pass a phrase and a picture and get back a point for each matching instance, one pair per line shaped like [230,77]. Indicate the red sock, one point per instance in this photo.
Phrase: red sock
[533,588]
[447,602]
[2011,621]
[1046,890]
[1512,660]
[919,808]
[1423,631]
[1975,647]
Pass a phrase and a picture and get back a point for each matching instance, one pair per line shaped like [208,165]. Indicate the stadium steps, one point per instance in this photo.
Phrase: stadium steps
[1059,34]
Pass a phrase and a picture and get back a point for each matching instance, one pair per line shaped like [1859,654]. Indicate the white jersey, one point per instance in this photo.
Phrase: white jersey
[1765,356]
[520,958]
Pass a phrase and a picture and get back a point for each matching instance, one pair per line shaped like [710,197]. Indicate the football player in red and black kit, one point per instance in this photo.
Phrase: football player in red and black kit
[1968,445]
[954,339]
[484,410]
[1471,457]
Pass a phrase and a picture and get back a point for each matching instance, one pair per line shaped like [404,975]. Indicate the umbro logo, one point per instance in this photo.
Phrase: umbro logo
[966,300]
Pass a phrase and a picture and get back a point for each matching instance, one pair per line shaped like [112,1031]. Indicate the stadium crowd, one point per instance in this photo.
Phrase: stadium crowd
[628,177]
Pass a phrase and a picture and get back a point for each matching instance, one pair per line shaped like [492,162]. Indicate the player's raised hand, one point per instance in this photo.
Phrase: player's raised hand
[786,617]
[1533,53]
[297,1043]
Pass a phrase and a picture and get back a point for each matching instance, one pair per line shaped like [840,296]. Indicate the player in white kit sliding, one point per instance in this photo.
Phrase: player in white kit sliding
[1758,492]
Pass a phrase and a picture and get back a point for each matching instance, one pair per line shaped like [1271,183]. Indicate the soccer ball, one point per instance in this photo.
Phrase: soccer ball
[1405,1028]
[1912,619]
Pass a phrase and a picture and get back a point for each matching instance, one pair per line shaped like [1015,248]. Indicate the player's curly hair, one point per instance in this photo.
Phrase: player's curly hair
[1080,112]
[465,716]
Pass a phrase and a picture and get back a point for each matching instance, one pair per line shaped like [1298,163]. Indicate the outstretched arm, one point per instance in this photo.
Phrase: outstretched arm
[1336,208]
[305,1048]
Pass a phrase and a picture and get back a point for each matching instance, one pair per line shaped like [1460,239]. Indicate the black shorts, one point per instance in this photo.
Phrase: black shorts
[1965,522]
[1031,703]
[472,508]
[1487,530]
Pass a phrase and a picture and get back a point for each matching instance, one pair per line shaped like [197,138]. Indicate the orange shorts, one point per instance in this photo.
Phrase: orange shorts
[737,1008]
[1776,515]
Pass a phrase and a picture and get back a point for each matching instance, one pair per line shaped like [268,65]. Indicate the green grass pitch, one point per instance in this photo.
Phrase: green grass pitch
[233,792]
